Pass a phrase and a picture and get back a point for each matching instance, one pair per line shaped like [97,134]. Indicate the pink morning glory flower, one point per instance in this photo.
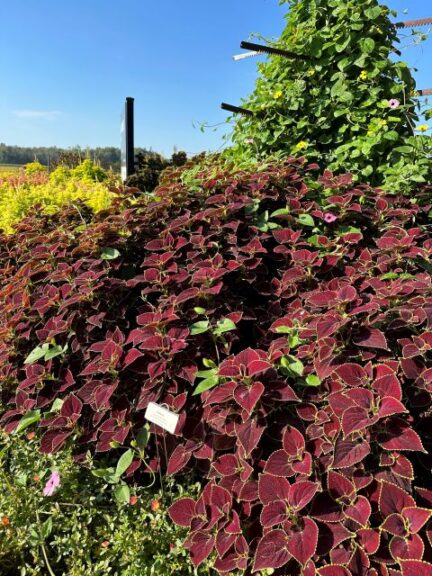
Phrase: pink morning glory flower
[52,484]
[329,217]
[394,103]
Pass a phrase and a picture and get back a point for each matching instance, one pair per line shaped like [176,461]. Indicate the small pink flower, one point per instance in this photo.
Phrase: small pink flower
[394,103]
[52,484]
[329,217]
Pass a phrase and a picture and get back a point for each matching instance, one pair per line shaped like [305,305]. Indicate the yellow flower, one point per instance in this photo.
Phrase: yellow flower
[311,72]
[278,94]
[301,145]
[422,128]
[363,75]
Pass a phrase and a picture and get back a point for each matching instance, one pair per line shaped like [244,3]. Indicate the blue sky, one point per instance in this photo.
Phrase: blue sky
[66,67]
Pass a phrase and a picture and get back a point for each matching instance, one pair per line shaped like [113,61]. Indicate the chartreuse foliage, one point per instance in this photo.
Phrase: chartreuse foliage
[351,106]
[290,328]
[20,192]
[80,530]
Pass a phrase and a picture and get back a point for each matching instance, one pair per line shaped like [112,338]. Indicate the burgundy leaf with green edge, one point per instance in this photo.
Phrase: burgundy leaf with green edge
[293,441]
[71,408]
[399,435]
[349,452]
[178,460]
[249,435]
[303,540]
[359,511]
[415,518]
[352,374]
[371,338]
[393,499]
[274,513]
[226,465]
[272,551]
[334,570]
[182,511]
[409,547]
[248,396]
[394,524]
[200,546]
[53,440]
[279,464]
[415,568]
[301,493]
[368,539]
[271,489]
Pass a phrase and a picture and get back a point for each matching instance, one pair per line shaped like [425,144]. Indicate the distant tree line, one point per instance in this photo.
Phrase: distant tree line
[107,157]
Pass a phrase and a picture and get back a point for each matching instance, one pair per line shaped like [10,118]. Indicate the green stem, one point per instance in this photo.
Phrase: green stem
[44,553]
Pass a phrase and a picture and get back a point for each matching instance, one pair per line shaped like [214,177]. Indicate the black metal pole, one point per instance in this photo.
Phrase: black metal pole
[414,23]
[271,50]
[129,136]
[236,109]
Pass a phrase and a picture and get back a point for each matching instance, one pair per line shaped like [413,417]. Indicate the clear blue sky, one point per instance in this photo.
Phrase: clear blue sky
[67,65]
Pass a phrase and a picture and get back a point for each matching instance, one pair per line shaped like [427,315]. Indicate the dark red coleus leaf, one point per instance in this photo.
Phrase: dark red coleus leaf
[200,545]
[271,489]
[272,551]
[249,435]
[334,570]
[407,547]
[393,499]
[399,435]
[53,440]
[182,511]
[371,338]
[349,451]
[415,568]
[303,540]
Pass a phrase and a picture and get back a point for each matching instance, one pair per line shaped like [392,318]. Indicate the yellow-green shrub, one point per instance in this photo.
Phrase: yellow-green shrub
[18,194]
[34,168]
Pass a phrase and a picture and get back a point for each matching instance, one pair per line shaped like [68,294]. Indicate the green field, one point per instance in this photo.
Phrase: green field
[10,167]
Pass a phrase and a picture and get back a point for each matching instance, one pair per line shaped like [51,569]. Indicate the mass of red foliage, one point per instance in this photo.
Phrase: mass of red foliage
[285,316]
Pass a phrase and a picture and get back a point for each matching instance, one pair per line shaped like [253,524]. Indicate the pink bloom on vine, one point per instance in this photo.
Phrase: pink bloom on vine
[329,217]
[52,484]
[394,103]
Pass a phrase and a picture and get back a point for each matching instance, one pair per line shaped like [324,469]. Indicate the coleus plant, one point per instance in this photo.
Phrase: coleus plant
[289,327]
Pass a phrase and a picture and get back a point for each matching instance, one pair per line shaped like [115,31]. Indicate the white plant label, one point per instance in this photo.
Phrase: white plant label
[162,417]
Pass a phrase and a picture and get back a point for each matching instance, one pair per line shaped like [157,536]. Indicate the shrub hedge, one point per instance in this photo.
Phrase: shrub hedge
[33,186]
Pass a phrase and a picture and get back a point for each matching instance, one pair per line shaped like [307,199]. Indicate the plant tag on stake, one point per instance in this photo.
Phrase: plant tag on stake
[162,417]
